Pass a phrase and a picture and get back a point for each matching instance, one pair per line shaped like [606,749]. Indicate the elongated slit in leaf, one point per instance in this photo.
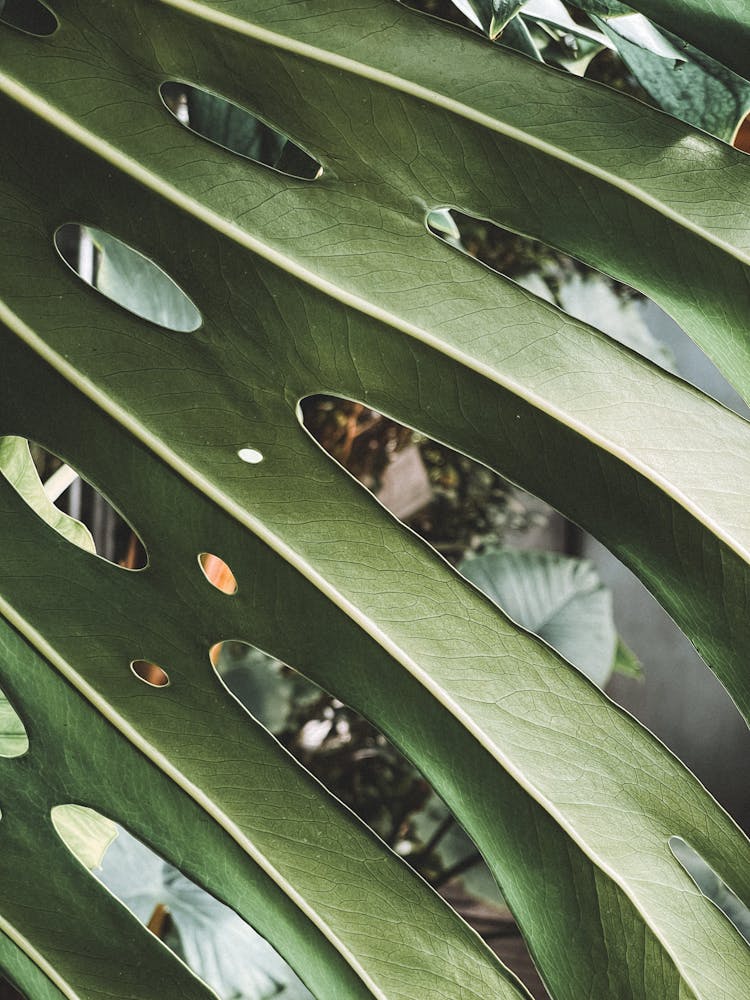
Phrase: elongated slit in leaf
[30,16]
[348,754]
[225,124]
[585,293]
[218,573]
[58,494]
[126,276]
[712,886]
[209,937]
[428,486]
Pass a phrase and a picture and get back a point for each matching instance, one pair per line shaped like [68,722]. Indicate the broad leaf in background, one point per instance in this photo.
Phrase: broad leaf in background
[13,738]
[217,944]
[720,28]
[265,686]
[638,31]
[698,90]
[558,598]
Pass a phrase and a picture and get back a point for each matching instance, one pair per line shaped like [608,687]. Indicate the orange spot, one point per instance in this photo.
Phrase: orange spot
[218,573]
[741,138]
[150,673]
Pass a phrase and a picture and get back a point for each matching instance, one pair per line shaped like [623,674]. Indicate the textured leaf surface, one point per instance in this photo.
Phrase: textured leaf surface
[557,598]
[286,828]
[335,285]
[600,401]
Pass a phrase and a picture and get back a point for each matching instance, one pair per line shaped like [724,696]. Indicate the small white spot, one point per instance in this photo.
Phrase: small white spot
[250,455]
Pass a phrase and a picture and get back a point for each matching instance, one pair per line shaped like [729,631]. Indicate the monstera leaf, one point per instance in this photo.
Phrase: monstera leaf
[335,284]
[557,598]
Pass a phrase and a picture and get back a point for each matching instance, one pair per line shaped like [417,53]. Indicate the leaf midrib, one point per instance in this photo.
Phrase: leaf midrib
[216,221]
[237,512]
[394,82]
[104,707]
[38,959]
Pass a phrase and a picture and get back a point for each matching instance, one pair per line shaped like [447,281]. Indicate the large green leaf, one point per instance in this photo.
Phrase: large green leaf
[295,864]
[600,402]
[335,285]
[562,600]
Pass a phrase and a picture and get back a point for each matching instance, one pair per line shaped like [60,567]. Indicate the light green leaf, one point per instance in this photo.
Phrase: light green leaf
[640,32]
[221,948]
[87,834]
[626,662]
[17,465]
[13,738]
[556,597]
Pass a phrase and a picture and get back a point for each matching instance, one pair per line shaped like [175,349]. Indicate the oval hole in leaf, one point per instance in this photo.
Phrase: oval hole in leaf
[360,766]
[231,127]
[58,494]
[126,276]
[585,293]
[711,886]
[150,673]
[250,455]
[217,573]
[14,741]
[30,16]
[217,944]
